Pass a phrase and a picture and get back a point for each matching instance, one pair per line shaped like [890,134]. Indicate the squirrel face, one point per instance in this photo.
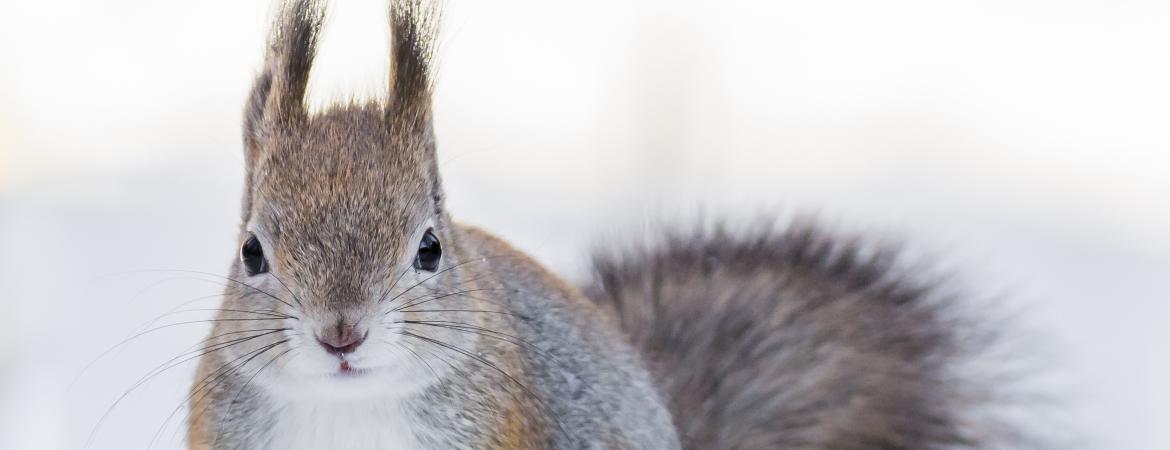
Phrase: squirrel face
[343,226]
[343,218]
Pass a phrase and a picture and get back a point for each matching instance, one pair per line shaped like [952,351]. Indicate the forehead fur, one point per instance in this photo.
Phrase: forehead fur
[343,192]
[347,161]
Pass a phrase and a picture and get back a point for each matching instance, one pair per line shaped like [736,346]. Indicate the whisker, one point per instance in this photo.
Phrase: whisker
[155,320]
[441,296]
[233,280]
[127,340]
[498,335]
[481,331]
[416,356]
[205,386]
[491,365]
[285,286]
[469,355]
[394,284]
[484,311]
[424,280]
[156,371]
[85,369]
[209,339]
[269,313]
[236,398]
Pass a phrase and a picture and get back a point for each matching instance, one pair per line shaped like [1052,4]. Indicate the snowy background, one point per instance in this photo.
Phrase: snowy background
[1025,144]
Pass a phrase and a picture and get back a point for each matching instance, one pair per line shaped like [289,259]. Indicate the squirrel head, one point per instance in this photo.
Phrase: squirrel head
[342,211]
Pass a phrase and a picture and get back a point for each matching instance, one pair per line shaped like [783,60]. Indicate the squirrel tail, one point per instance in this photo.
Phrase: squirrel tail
[790,338]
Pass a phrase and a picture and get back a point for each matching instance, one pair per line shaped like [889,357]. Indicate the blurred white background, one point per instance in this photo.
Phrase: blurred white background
[1024,143]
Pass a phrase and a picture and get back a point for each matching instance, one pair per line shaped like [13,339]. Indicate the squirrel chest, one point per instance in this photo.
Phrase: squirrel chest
[349,425]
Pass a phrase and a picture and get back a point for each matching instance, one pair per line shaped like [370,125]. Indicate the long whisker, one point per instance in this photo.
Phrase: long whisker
[155,372]
[285,286]
[212,338]
[424,280]
[482,258]
[127,340]
[491,365]
[146,324]
[233,280]
[486,332]
[269,313]
[484,311]
[177,307]
[441,296]
[413,353]
[462,293]
[394,284]
[205,386]
[236,398]
[472,356]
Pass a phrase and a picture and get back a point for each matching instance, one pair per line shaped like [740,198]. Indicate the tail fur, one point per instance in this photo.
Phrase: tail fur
[793,339]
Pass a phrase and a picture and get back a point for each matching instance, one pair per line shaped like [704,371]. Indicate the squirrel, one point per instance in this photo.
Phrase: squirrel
[360,316]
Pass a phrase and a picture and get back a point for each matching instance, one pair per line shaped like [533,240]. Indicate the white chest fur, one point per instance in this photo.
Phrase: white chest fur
[360,425]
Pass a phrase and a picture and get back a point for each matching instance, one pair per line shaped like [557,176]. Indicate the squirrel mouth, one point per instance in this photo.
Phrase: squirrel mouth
[347,371]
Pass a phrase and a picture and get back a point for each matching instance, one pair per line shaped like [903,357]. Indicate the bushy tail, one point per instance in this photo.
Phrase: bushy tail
[792,339]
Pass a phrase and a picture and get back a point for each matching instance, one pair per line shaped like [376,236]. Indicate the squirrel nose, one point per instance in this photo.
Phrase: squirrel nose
[342,340]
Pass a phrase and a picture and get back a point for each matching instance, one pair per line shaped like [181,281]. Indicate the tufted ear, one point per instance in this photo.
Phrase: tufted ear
[415,27]
[277,101]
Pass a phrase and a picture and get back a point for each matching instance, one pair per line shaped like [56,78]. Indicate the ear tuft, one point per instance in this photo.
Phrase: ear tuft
[278,94]
[415,28]
[291,50]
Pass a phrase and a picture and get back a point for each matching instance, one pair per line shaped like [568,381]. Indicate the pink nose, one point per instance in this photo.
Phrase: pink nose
[343,341]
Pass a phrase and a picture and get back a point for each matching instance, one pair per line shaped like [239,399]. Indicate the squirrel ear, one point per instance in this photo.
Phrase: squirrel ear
[255,132]
[278,95]
[414,25]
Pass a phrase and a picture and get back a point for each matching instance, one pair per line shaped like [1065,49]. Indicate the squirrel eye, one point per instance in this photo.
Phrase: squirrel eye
[429,253]
[252,255]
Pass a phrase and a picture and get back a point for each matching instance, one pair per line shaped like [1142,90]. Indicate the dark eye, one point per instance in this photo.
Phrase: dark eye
[252,255]
[429,252]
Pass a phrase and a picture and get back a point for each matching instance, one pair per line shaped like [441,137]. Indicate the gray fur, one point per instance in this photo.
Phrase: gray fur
[793,338]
